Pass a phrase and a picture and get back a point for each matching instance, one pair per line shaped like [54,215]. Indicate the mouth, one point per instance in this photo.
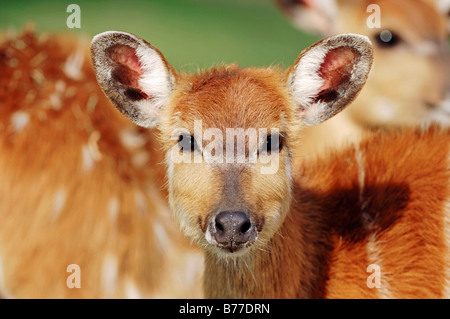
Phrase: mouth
[231,232]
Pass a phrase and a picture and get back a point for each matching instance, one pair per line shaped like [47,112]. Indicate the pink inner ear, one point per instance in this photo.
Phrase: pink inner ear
[127,70]
[126,56]
[336,67]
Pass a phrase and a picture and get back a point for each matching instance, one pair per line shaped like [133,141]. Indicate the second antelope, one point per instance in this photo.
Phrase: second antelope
[409,83]
[307,231]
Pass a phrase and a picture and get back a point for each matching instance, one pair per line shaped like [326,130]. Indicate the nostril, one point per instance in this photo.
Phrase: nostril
[233,230]
[219,226]
[231,224]
[246,226]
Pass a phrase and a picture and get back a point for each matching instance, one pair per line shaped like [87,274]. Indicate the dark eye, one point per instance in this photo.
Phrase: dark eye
[387,39]
[187,143]
[273,143]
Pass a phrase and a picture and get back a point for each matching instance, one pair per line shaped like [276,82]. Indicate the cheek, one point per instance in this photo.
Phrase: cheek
[270,193]
[194,190]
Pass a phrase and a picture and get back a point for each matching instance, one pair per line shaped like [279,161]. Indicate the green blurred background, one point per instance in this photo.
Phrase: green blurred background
[190,33]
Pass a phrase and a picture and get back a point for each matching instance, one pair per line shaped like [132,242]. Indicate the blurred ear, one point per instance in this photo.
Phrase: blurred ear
[313,16]
[328,75]
[444,7]
[134,75]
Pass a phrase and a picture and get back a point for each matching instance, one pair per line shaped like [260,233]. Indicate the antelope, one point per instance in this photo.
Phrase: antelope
[76,188]
[410,79]
[309,230]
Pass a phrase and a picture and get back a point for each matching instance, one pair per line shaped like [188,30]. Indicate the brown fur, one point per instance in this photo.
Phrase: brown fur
[55,211]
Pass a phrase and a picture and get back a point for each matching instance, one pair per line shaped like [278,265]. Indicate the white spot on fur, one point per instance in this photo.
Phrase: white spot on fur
[93,145]
[73,65]
[131,290]
[59,201]
[113,209]
[161,237]
[140,159]
[385,109]
[13,63]
[91,103]
[90,152]
[88,160]
[38,77]
[141,202]
[38,59]
[20,44]
[374,257]
[132,139]
[191,270]
[359,157]
[55,100]
[373,250]
[109,274]
[19,120]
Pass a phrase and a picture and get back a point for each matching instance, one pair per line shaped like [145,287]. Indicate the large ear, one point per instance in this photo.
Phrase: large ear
[314,16]
[328,75]
[134,75]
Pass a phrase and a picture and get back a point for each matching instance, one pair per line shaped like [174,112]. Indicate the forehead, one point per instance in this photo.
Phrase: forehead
[229,97]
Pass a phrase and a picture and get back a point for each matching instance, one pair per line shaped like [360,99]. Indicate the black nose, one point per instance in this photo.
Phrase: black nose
[233,230]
